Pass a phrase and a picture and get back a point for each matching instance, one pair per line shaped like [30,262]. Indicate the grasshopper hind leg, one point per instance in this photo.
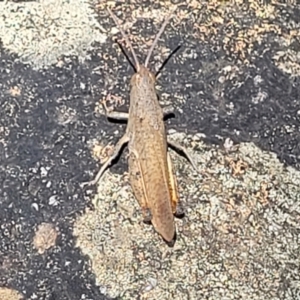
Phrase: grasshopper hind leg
[138,189]
[177,205]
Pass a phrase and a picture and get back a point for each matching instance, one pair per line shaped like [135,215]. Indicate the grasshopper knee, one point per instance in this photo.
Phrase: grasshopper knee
[147,216]
[179,213]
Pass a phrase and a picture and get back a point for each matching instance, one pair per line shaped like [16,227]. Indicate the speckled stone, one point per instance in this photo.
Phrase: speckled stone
[234,84]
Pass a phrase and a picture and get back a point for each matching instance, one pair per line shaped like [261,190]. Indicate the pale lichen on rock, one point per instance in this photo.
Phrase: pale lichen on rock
[39,32]
[239,215]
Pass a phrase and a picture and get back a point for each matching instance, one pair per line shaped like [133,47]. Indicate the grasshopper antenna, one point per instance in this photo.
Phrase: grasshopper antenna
[137,64]
[167,59]
[158,36]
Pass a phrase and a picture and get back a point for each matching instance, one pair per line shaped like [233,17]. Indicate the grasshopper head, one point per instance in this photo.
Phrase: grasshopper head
[143,78]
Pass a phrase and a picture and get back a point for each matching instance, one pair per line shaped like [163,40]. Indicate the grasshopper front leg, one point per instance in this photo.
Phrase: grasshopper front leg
[117,115]
[124,139]
[123,116]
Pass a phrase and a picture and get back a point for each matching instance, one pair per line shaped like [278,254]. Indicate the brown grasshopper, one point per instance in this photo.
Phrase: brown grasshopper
[150,168]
